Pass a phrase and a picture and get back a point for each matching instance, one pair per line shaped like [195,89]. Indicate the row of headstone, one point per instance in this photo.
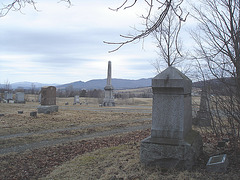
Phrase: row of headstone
[19,97]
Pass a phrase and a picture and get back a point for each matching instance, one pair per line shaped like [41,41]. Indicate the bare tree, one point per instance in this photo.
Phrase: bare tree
[7,86]
[17,5]
[154,7]
[219,50]
[168,44]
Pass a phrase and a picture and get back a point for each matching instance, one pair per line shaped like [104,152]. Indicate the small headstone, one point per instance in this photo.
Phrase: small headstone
[217,163]
[66,103]
[20,112]
[8,95]
[33,114]
[76,99]
[20,97]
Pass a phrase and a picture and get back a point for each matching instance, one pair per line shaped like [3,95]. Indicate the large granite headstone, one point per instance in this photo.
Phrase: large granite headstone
[48,100]
[173,143]
[109,99]
[20,97]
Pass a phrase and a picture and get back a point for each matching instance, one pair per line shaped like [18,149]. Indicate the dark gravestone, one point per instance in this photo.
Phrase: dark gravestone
[33,114]
[48,100]
[20,112]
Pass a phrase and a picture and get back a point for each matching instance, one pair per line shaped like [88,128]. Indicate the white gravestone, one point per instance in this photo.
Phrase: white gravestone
[8,95]
[76,99]
[172,142]
[20,97]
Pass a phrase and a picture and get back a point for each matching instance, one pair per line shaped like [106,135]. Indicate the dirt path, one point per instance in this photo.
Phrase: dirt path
[72,128]
[46,143]
[143,109]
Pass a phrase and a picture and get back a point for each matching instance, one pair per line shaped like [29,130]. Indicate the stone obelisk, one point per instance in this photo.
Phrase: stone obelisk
[109,100]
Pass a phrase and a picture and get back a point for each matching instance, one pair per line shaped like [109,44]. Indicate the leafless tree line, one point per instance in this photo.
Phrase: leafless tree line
[217,56]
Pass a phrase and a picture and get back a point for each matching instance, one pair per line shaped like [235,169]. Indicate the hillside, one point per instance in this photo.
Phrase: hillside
[101,83]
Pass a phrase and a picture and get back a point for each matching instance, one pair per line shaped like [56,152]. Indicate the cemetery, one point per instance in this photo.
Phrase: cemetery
[133,138]
[59,119]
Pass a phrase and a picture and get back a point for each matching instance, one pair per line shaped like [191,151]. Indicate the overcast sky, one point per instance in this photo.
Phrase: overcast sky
[59,45]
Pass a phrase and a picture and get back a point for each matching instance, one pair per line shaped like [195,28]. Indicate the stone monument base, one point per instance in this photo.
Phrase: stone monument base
[171,153]
[47,109]
[108,102]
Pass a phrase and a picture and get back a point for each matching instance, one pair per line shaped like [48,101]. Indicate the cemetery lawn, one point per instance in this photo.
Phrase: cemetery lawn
[113,156]
[70,121]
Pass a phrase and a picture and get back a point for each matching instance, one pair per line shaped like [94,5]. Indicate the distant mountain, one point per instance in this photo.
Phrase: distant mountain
[101,83]
[216,83]
[28,85]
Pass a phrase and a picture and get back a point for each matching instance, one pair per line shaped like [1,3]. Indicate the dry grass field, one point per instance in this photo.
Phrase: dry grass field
[112,156]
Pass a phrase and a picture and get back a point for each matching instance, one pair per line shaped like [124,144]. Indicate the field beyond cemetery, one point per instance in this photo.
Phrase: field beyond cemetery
[88,142]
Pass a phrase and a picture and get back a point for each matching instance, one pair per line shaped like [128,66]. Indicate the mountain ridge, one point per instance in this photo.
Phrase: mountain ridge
[91,84]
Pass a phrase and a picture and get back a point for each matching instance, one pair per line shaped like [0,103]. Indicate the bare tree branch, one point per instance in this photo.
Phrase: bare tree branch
[17,5]
[147,31]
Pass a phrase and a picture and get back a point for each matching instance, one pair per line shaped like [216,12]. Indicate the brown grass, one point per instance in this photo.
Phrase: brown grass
[14,123]
[115,162]
[122,162]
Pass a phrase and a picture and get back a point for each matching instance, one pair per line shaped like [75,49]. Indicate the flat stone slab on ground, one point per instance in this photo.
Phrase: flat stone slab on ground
[217,163]
[33,114]
[47,109]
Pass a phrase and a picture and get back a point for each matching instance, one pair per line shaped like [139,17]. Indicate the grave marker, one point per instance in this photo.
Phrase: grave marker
[203,115]
[109,100]
[20,97]
[217,163]
[172,143]
[76,99]
[48,100]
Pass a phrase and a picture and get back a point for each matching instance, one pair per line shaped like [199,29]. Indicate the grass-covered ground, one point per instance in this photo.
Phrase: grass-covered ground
[108,157]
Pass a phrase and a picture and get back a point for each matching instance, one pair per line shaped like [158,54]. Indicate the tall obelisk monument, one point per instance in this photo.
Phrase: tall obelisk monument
[109,100]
